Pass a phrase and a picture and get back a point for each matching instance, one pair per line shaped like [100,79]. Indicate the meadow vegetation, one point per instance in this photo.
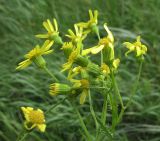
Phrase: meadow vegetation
[20,20]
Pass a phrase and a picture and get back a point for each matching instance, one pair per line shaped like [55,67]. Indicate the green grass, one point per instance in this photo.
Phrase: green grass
[20,20]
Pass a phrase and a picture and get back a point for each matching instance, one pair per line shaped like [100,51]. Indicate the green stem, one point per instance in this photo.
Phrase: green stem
[54,106]
[98,35]
[104,110]
[83,124]
[117,90]
[133,92]
[103,116]
[48,71]
[22,136]
[115,117]
[101,50]
[135,86]
[92,110]
[113,103]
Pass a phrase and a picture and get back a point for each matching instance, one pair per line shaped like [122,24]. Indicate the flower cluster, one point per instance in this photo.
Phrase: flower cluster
[82,72]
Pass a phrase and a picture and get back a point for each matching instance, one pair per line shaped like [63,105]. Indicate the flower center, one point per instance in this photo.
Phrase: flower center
[84,83]
[36,117]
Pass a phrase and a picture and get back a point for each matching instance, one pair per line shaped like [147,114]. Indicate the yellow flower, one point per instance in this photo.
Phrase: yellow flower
[35,55]
[52,31]
[71,60]
[78,70]
[90,25]
[82,84]
[34,118]
[75,57]
[74,72]
[67,45]
[78,36]
[83,96]
[106,44]
[67,48]
[116,63]
[58,88]
[105,69]
[92,50]
[136,46]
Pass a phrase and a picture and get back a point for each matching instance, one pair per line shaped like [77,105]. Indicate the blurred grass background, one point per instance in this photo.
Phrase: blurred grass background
[20,20]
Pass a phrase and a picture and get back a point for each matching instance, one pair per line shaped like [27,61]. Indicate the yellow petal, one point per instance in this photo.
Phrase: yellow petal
[46,26]
[50,25]
[83,96]
[83,24]
[26,112]
[90,14]
[24,64]
[55,25]
[42,36]
[138,51]
[138,38]
[86,51]
[144,48]
[47,45]
[41,127]
[69,36]
[96,50]
[48,52]
[116,63]
[129,45]
[110,35]
[66,66]
[76,29]
[71,32]
[95,15]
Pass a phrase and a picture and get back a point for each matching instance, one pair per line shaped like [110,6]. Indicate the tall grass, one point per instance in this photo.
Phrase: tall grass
[20,20]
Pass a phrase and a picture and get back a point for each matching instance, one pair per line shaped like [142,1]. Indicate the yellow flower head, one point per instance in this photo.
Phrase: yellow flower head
[136,46]
[106,44]
[52,31]
[75,57]
[68,47]
[58,88]
[78,36]
[35,55]
[78,70]
[105,69]
[92,50]
[85,87]
[116,63]
[71,60]
[74,72]
[91,23]
[34,118]
[83,96]
[82,84]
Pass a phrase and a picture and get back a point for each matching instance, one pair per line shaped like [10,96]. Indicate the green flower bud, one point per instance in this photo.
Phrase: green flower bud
[39,61]
[84,74]
[57,39]
[58,88]
[94,29]
[67,48]
[81,61]
[93,68]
